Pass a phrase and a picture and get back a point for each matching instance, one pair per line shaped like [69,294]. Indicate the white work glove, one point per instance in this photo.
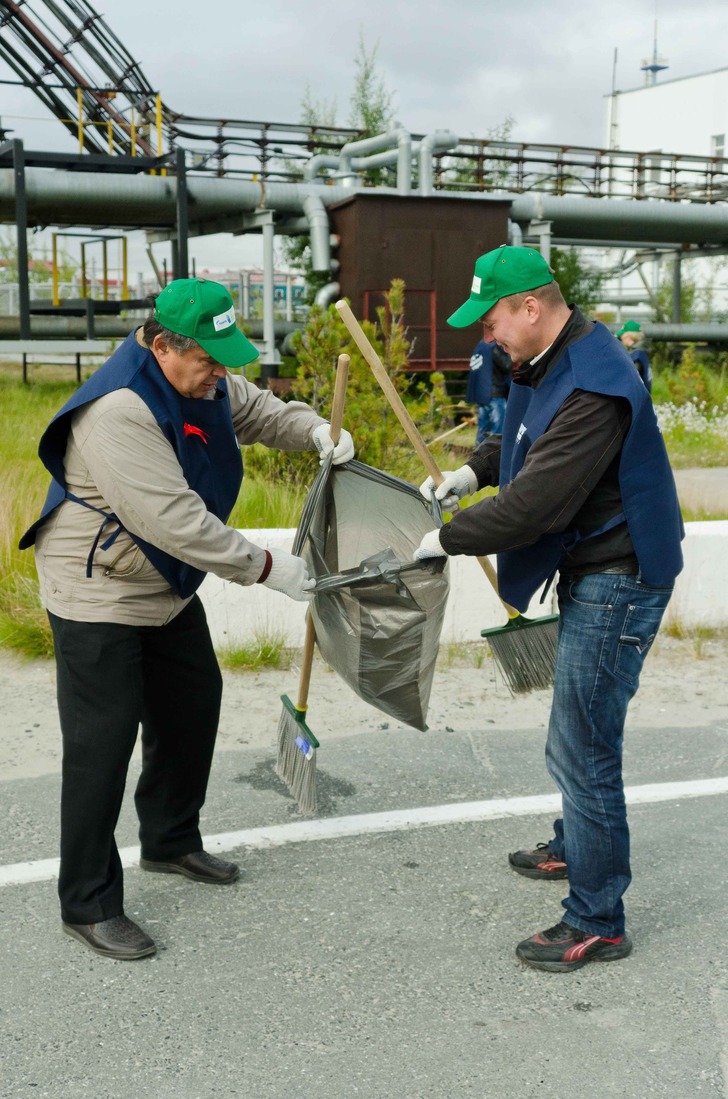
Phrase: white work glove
[344,449]
[289,574]
[455,485]
[430,546]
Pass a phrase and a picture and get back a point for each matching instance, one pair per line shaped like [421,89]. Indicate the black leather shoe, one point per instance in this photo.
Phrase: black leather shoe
[118,937]
[199,866]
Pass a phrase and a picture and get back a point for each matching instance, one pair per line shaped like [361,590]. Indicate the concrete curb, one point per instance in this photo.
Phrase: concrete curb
[243,615]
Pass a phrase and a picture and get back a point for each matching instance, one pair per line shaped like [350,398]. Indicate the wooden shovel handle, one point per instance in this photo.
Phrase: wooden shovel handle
[410,428]
[337,406]
[309,641]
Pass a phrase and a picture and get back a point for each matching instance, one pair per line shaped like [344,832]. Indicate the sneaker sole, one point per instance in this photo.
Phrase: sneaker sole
[532,872]
[609,954]
[117,955]
[171,868]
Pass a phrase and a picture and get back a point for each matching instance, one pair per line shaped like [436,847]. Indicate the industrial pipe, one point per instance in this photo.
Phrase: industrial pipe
[319,231]
[629,219]
[327,294]
[104,199]
[440,140]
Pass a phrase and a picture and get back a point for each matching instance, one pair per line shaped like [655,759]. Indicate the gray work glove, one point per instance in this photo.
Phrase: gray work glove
[462,482]
[289,574]
[344,449]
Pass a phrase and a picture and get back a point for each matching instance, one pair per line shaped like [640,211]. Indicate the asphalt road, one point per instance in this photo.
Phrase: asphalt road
[380,966]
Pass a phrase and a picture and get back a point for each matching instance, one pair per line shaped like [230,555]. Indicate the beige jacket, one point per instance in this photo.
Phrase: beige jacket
[118,459]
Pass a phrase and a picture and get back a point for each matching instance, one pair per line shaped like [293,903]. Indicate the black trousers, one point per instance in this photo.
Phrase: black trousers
[110,679]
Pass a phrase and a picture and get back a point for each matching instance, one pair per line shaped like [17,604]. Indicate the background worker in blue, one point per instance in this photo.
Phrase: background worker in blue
[629,335]
[489,378]
[585,490]
[146,467]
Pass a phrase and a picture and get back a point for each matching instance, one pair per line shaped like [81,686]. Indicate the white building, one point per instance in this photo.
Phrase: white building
[687,115]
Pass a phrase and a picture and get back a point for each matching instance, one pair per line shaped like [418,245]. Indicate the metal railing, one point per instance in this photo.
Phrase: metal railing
[277,152]
[517,167]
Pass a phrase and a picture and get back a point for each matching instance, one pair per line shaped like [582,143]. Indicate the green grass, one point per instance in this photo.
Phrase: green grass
[265,505]
[468,653]
[700,637]
[694,437]
[265,651]
[23,484]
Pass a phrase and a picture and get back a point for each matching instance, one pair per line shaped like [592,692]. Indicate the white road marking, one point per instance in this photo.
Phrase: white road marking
[397,820]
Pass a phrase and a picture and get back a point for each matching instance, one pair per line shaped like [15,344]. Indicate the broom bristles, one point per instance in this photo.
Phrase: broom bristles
[297,759]
[525,652]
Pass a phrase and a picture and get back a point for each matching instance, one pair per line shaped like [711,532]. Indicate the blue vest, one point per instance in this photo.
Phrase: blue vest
[480,375]
[200,432]
[598,364]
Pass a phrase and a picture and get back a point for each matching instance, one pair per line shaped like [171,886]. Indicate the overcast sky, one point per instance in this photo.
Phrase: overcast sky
[458,64]
[463,65]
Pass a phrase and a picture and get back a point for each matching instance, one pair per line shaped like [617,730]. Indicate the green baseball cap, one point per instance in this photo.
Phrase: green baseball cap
[628,326]
[504,271]
[204,311]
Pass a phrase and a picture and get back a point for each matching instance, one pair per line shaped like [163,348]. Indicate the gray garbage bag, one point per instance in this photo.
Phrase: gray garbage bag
[381,631]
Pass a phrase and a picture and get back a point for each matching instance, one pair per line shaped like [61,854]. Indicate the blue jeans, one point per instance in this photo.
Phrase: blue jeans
[490,418]
[607,625]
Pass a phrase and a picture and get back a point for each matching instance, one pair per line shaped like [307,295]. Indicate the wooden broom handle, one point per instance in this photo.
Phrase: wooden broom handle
[309,641]
[304,679]
[410,428]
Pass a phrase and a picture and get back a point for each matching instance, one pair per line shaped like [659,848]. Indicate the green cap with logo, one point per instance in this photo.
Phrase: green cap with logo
[628,326]
[504,271]
[204,311]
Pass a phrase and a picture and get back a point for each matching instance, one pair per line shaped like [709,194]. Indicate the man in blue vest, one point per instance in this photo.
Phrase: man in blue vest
[489,378]
[146,467]
[629,336]
[585,490]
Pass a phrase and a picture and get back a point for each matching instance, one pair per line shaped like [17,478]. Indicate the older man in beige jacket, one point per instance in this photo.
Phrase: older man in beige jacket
[146,467]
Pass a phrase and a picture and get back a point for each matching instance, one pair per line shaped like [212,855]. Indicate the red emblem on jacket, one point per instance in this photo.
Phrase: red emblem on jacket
[190,429]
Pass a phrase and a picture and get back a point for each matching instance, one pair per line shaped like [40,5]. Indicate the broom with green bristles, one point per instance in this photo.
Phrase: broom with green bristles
[525,648]
[296,743]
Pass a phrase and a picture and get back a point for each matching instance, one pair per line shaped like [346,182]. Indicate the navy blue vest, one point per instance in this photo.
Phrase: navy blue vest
[480,376]
[598,364]
[200,432]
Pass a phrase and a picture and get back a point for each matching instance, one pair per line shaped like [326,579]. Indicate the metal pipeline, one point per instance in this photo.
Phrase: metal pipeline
[623,219]
[130,202]
[685,333]
[111,328]
[319,232]
[107,328]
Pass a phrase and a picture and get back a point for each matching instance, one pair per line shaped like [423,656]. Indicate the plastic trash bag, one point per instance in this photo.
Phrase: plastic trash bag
[381,631]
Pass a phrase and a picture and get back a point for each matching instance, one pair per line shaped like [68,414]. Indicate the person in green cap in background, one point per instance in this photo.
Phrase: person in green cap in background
[146,467]
[629,335]
[585,491]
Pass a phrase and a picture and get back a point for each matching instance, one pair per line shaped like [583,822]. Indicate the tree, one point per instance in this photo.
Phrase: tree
[476,171]
[378,436]
[39,269]
[371,113]
[697,303]
[580,284]
[371,102]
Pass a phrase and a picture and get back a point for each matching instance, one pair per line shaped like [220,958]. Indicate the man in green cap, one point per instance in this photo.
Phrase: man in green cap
[629,335]
[146,467]
[585,491]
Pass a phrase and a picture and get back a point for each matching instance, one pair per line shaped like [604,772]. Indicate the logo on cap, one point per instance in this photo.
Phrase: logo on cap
[224,320]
